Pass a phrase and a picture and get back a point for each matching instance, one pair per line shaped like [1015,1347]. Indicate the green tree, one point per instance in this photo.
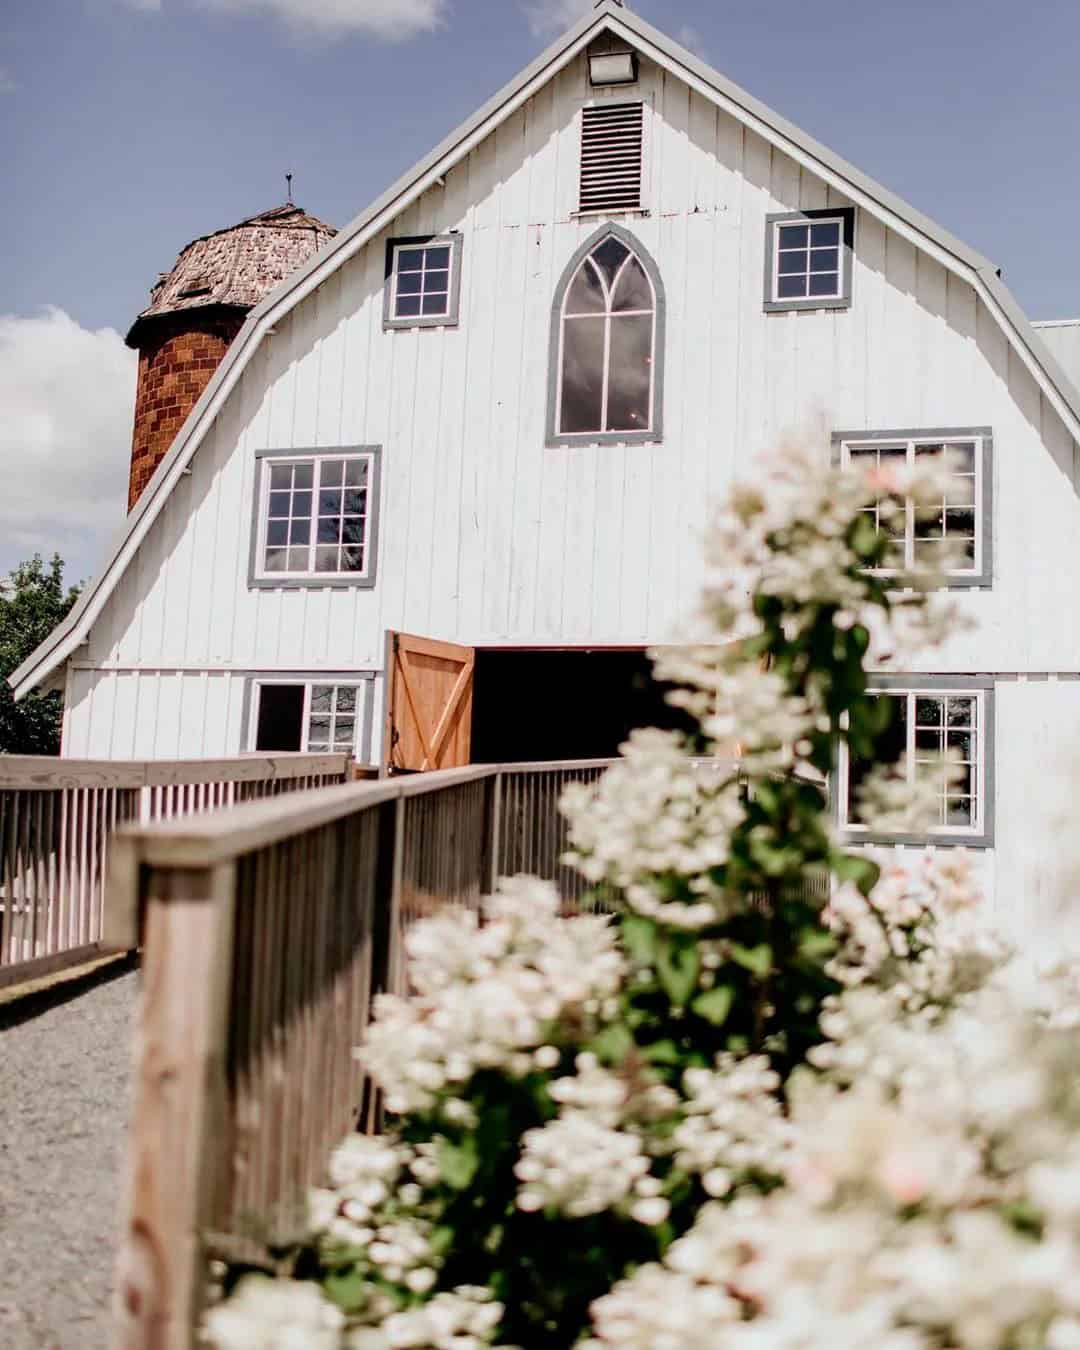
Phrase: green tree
[32,602]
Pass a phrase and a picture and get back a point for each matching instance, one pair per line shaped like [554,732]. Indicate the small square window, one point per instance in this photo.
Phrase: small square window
[316,516]
[423,282]
[808,256]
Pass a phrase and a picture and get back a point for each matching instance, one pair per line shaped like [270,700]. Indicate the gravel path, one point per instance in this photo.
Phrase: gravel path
[64,1094]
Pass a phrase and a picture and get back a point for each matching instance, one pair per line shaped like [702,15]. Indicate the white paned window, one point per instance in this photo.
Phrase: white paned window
[612,157]
[808,258]
[606,374]
[309,717]
[315,517]
[422,281]
[924,724]
[959,520]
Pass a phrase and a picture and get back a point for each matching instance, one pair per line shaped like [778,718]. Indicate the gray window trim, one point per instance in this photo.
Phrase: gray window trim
[843,301]
[917,683]
[317,581]
[255,678]
[983,580]
[656,434]
[449,320]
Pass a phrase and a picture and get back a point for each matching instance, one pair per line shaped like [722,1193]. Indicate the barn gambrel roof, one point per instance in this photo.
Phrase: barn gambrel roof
[609,16]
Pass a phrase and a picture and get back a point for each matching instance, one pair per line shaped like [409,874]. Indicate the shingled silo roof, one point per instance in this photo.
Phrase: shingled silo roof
[237,266]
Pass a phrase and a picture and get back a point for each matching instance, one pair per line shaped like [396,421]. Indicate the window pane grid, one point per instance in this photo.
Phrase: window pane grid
[422,281]
[954,523]
[608,336]
[931,725]
[317,516]
[809,260]
[331,723]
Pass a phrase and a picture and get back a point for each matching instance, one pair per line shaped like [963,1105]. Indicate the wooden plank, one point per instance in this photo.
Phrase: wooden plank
[47,772]
[173,1168]
[21,972]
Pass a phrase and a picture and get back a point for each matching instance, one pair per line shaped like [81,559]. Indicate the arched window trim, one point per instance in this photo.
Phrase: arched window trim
[645,258]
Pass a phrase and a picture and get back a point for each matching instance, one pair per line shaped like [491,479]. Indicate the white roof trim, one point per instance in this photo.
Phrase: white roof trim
[951,252]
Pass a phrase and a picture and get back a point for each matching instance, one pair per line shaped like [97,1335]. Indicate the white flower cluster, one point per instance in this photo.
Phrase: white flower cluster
[733,1127]
[467,1318]
[488,993]
[595,1155]
[919,935]
[266,1314]
[578,1166]
[788,538]
[371,1209]
[935,1202]
[654,817]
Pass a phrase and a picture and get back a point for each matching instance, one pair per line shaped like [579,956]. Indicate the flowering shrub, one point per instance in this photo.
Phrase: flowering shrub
[783,1095]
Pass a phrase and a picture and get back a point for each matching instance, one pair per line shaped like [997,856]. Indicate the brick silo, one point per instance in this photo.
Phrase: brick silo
[196,310]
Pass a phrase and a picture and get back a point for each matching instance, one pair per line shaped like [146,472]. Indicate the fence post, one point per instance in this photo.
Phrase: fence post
[493,841]
[177,1167]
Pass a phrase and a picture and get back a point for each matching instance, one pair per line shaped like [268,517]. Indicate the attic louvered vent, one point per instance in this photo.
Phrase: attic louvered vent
[612,140]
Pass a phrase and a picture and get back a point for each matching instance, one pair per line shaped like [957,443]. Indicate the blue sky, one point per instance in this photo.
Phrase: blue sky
[129,126]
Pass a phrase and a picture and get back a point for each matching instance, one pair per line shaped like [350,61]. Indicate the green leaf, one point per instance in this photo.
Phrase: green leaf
[678,964]
[458,1163]
[349,1289]
[663,1052]
[757,960]
[816,944]
[613,1044]
[639,937]
[715,1004]
[862,872]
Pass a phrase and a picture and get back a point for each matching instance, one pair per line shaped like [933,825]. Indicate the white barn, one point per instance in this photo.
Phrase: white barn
[514,385]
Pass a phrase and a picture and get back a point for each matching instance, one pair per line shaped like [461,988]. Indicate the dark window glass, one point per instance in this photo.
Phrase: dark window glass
[281,717]
[826,233]
[890,749]
[633,290]
[586,295]
[791,288]
[631,373]
[583,375]
[409,283]
[609,258]
[436,258]
[794,236]
[824,283]
[794,262]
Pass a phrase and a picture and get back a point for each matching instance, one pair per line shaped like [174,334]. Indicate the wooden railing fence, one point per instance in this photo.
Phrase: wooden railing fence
[56,818]
[266,932]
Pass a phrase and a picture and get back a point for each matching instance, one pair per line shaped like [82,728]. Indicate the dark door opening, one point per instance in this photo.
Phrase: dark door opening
[531,706]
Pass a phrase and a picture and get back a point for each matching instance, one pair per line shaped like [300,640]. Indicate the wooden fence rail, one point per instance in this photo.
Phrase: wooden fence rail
[56,819]
[266,931]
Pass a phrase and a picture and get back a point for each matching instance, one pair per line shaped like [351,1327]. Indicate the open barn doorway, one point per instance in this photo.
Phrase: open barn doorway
[538,705]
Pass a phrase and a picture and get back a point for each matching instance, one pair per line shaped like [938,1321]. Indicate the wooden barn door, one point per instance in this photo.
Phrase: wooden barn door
[429,694]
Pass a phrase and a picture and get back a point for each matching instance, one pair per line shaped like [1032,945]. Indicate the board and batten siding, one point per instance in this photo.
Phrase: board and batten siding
[488,536]
[1062,336]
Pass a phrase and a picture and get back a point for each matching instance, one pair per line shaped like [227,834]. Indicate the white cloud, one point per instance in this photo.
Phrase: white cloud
[555,16]
[391,20]
[68,396]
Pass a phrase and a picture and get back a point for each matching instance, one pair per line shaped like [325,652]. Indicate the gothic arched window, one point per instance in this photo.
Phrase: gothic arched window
[607,344]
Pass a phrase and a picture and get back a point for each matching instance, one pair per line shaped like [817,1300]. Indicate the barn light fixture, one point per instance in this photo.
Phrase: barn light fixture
[612,68]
